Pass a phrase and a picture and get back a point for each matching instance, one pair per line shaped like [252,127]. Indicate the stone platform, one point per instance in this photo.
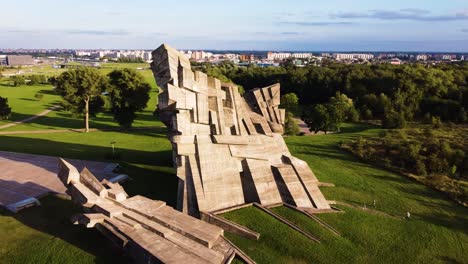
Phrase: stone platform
[25,177]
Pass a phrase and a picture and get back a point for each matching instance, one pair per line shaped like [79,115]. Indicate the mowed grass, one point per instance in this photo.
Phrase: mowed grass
[23,103]
[435,233]
[44,234]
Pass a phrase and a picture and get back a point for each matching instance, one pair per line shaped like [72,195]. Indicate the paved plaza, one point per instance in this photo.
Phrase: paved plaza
[25,177]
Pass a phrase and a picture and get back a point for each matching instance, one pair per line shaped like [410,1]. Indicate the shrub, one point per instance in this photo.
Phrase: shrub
[393,119]
[39,96]
[420,168]
[5,109]
[290,126]
[18,80]
[436,122]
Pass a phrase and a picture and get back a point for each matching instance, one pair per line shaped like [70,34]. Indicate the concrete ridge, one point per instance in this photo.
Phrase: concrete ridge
[287,222]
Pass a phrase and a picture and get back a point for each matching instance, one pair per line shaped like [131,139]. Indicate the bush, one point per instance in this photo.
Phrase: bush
[5,109]
[290,126]
[37,79]
[393,119]
[39,96]
[367,114]
[420,168]
[352,115]
[18,80]
[436,122]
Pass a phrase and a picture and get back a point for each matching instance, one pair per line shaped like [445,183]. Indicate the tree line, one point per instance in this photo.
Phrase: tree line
[35,79]
[393,94]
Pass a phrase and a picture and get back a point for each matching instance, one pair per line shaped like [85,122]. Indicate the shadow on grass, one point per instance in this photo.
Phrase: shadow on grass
[53,218]
[66,120]
[152,176]
[48,147]
[29,99]
[51,92]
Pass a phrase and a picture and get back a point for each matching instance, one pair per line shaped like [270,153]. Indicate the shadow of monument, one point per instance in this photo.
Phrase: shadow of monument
[154,179]
[53,218]
[67,150]
[66,120]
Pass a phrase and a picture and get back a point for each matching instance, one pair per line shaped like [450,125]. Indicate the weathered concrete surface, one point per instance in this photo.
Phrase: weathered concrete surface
[228,148]
[149,230]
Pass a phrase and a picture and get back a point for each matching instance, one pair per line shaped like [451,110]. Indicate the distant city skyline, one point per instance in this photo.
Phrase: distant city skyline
[295,25]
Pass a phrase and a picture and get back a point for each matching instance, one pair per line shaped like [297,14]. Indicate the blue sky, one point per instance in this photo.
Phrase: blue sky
[410,25]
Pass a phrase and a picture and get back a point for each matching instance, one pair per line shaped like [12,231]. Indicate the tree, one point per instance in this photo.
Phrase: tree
[5,109]
[128,94]
[318,118]
[18,80]
[290,102]
[290,126]
[82,89]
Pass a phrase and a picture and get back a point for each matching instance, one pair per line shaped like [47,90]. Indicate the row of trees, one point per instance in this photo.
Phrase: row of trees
[393,94]
[19,80]
[84,91]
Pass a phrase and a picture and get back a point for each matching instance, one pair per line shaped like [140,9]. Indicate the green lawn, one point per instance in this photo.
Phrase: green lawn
[23,103]
[436,232]
[44,234]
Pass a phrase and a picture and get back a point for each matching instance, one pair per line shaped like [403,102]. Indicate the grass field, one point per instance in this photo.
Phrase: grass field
[23,103]
[436,233]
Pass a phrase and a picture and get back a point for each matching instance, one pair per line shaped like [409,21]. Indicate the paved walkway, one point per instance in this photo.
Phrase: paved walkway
[25,177]
[43,113]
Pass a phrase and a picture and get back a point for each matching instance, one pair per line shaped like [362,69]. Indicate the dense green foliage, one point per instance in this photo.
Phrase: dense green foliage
[436,157]
[329,116]
[81,84]
[290,102]
[5,109]
[36,79]
[378,91]
[18,80]
[128,94]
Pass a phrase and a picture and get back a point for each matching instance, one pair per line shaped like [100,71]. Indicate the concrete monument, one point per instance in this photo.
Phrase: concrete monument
[149,230]
[228,148]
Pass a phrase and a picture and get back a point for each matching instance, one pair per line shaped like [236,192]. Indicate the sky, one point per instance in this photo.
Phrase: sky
[295,25]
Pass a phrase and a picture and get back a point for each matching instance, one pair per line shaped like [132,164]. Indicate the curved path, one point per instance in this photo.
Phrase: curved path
[43,113]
